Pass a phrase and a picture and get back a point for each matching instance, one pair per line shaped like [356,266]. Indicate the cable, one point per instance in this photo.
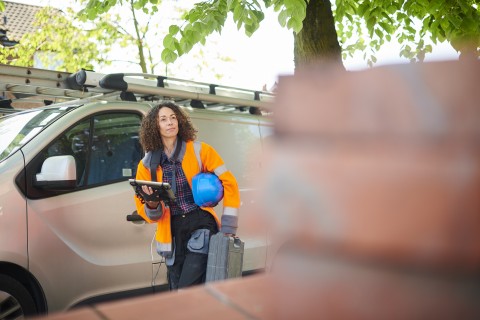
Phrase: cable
[155,274]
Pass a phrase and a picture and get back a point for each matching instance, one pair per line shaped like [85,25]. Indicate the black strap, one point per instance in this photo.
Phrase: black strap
[175,156]
[155,162]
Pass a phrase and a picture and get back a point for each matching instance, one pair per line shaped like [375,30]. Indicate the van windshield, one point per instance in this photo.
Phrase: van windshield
[19,128]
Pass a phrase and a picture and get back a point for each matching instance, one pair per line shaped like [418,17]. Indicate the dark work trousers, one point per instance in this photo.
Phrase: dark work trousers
[189,268]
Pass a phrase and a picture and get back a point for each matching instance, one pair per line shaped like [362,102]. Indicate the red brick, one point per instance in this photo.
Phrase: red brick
[76,314]
[192,303]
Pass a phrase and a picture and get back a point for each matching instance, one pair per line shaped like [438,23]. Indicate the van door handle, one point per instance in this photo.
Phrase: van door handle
[135,217]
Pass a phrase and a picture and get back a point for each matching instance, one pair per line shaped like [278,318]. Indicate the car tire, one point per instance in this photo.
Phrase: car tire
[15,300]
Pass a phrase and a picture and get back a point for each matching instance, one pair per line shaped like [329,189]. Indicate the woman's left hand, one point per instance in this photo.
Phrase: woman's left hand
[149,191]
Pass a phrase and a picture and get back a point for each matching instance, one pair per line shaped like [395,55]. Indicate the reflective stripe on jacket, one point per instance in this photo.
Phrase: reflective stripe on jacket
[210,161]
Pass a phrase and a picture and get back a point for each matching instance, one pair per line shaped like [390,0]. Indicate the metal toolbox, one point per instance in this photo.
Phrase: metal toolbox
[225,257]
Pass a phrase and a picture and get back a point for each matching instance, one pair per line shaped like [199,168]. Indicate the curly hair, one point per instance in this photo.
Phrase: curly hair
[150,137]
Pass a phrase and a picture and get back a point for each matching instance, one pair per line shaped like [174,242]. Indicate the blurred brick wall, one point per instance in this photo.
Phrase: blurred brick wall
[372,188]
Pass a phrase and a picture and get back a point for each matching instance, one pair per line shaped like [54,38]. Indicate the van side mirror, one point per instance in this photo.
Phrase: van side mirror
[58,172]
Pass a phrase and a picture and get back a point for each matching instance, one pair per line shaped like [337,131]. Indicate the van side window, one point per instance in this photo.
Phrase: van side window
[105,148]
[115,150]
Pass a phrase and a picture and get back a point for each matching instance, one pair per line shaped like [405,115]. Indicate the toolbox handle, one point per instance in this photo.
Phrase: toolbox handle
[237,243]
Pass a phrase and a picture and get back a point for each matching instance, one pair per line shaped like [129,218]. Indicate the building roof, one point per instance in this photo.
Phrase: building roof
[18,19]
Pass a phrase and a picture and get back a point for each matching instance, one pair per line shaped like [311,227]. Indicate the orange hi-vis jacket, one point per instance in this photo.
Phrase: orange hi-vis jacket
[195,157]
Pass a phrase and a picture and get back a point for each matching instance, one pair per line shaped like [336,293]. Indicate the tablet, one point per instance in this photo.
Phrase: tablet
[161,190]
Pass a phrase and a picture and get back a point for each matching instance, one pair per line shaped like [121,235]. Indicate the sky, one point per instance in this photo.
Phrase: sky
[231,58]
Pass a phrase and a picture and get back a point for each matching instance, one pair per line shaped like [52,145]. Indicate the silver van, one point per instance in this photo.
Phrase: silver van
[69,233]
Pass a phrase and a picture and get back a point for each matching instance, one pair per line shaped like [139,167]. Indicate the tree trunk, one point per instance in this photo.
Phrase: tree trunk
[318,38]
[141,55]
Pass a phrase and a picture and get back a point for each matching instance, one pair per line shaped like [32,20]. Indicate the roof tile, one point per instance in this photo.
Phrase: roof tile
[18,19]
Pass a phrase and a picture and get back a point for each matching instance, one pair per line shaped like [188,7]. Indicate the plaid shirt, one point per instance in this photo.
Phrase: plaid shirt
[184,202]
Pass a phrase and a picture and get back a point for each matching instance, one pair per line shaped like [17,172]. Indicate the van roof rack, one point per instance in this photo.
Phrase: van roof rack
[23,84]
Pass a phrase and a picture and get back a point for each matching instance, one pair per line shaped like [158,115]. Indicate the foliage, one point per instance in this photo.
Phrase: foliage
[135,27]
[2,6]
[58,42]
[373,23]
[208,17]
[143,29]
[415,24]
[410,22]
[94,8]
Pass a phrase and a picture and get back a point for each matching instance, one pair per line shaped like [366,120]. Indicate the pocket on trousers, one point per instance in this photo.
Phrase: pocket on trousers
[199,240]
[169,261]
[169,258]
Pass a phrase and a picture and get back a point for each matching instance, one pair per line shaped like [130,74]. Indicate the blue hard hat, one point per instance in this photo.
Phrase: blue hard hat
[207,189]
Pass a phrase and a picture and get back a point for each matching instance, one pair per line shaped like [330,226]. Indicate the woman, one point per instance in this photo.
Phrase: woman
[183,228]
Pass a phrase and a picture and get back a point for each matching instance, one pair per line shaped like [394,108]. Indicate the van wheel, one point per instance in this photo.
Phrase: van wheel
[15,301]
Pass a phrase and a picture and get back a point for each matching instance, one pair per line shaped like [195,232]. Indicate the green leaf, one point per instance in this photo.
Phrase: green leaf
[386,16]
[349,16]
[298,13]
[238,13]
[362,9]
[239,24]
[91,15]
[295,25]
[199,27]
[387,27]
[445,24]
[250,29]
[186,44]
[422,4]
[302,3]
[211,25]
[371,24]
[282,18]
[410,29]
[289,3]
[178,48]
[195,37]
[168,42]
[220,19]
[168,56]
[173,29]
[401,16]
[456,21]
[259,15]
[230,4]
[137,5]
[278,6]
[193,15]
